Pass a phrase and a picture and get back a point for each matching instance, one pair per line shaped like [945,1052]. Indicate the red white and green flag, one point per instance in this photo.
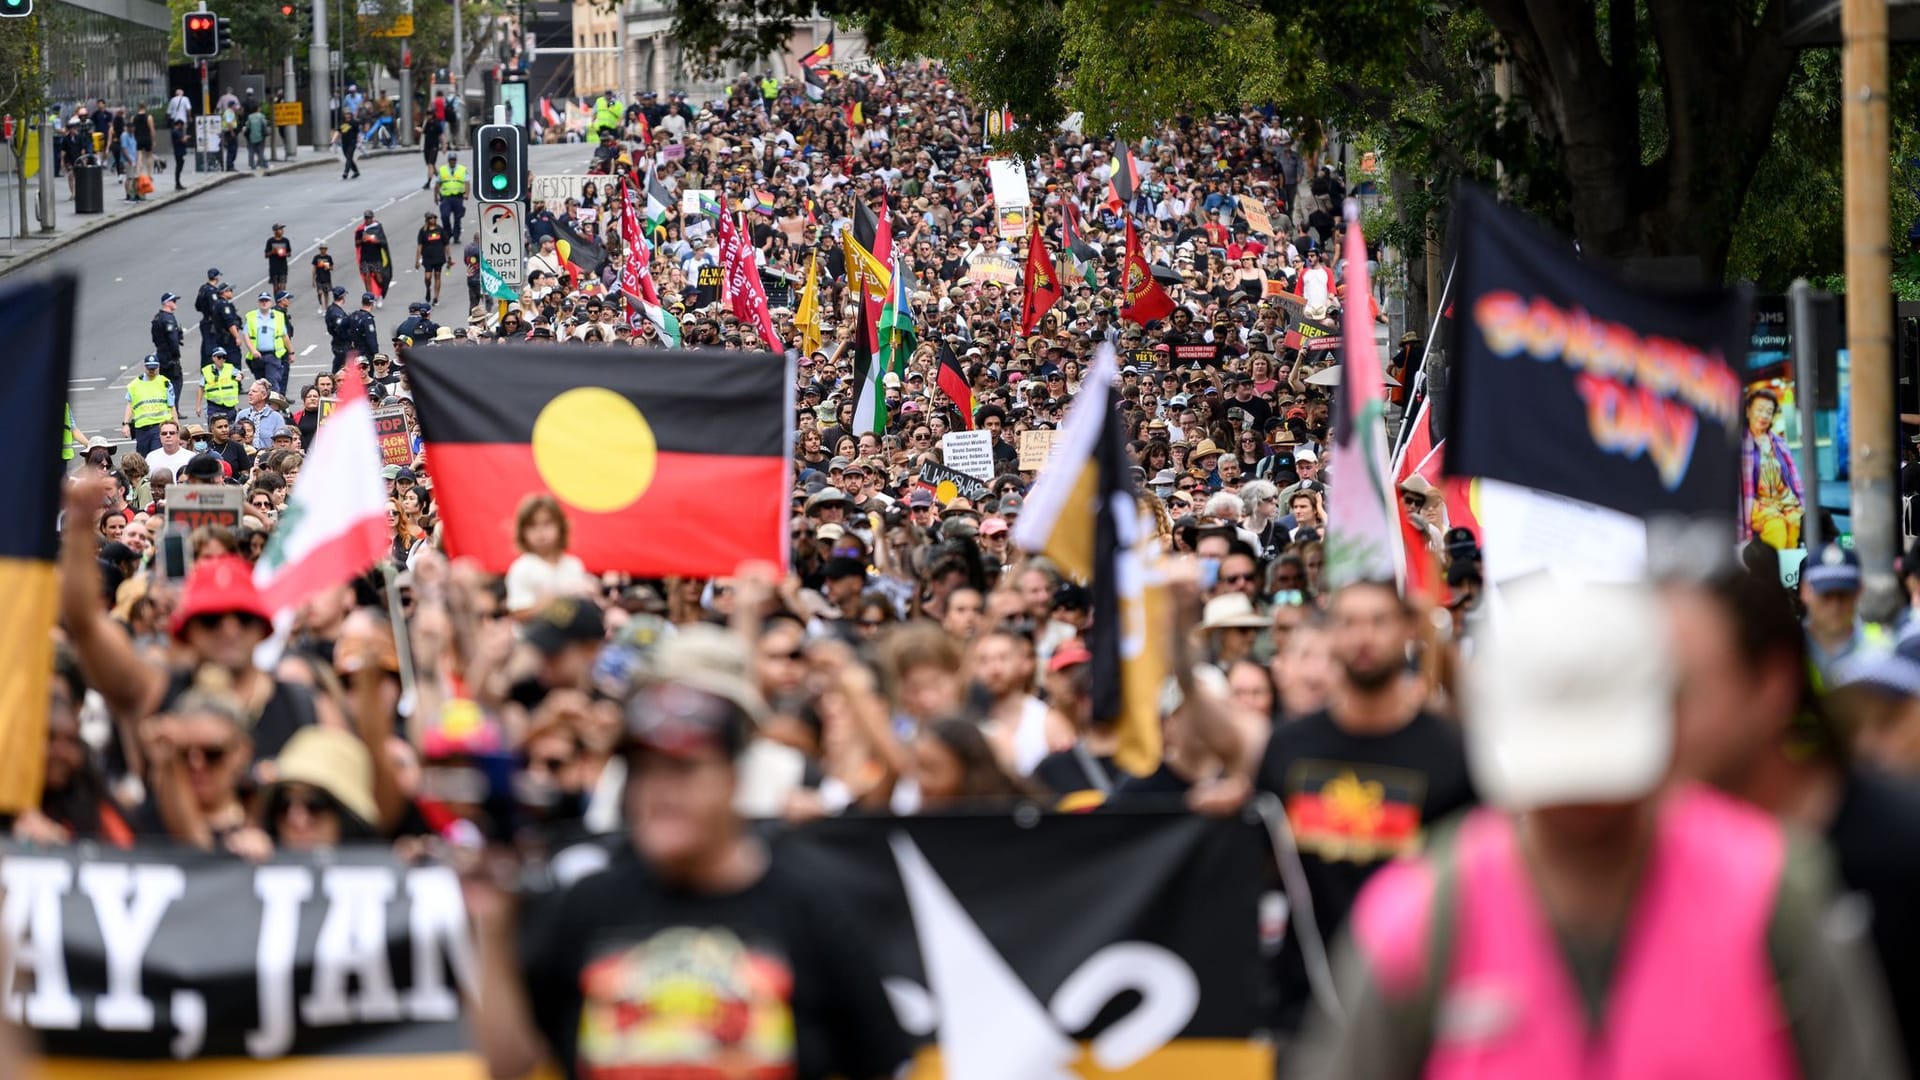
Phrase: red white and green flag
[1363,542]
[334,527]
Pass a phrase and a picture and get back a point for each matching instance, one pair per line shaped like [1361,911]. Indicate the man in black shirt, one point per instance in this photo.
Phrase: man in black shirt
[207,302]
[322,275]
[697,950]
[279,250]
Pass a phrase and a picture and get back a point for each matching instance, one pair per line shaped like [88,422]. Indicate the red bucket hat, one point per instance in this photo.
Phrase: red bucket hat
[217,586]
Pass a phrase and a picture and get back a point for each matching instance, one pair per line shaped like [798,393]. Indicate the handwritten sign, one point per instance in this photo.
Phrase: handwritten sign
[189,506]
[1036,447]
[971,452]
[948,484]
[558,189]
[993,268]
[396,442]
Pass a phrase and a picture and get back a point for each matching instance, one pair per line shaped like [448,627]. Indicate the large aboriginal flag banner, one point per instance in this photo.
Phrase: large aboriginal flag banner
[1572,381]
[668,463]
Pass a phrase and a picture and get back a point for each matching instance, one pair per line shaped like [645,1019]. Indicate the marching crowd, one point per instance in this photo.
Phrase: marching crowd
[1676,746]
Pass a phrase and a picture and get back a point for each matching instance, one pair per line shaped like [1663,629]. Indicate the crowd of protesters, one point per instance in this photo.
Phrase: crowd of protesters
[915,660]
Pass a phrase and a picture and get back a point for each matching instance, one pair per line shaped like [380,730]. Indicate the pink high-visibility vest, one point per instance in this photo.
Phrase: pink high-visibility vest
[1693,990]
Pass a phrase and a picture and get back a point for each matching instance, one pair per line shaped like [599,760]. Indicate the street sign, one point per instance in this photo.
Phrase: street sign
[503,243]
[207,133]
[397,26]
[288,114]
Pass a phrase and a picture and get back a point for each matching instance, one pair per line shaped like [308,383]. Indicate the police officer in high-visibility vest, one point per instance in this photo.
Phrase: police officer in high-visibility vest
[453,194]
[265,335]
[149,404]
[219,387]
[769,90]
[606,115]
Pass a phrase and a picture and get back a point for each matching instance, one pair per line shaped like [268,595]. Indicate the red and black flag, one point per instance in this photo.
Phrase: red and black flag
[821,54]
[1042,288]
[1073,240]
[1125,180]
[674,467]
[953,383]
[33,404]
[1145,300]
[873,232]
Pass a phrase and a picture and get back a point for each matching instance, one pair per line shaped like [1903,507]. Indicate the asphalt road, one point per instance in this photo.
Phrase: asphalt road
[124,268]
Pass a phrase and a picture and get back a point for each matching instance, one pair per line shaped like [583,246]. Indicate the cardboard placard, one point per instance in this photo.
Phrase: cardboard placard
[1196,353]
[970,452]
[396,441]
[1036,447]
[190,506]
[950,484]
[993,268]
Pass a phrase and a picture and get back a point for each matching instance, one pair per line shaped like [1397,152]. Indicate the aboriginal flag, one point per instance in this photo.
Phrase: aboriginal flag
[33,392]
[677,466]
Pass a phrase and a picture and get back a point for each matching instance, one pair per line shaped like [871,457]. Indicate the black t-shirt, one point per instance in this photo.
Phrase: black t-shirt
[1355,802]
[322,269]
[287,711]
[279,250]
[629,976]
[1876,842]
[433,247]
[1066,772]
[1162,787]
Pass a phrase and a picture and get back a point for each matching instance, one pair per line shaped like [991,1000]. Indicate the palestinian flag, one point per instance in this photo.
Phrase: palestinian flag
[1125,181]
[676,466]
[953,383]
[869,379]
[815,84]
[660,201]
[1362,540]
[334,527]
[33,389]
[873,234]
[1074,246]
[820,56]
[1085,516]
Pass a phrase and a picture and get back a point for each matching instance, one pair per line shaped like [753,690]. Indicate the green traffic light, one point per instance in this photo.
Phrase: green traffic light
[499,183]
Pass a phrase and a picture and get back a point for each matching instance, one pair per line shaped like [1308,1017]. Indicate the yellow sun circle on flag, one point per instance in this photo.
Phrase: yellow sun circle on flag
[946,491]
[593,449]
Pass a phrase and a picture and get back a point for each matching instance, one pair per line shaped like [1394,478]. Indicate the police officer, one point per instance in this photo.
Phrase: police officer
[283,303]
[227,319]
[471,255]
[267,343]
[219,387]
[606,115]
[207,303]
[168,338]
[416,325]
[150,403]
[453,194]
[337,328]
[363,334]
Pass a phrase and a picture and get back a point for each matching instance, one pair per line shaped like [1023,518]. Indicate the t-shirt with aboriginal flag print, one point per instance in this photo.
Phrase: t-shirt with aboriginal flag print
[1355,802]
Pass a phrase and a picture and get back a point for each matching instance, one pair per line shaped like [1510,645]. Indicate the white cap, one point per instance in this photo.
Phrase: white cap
[1571,699]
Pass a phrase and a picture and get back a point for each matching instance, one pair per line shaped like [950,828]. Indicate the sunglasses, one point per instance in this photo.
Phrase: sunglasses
[1235,579]
[211,754]
[312,802]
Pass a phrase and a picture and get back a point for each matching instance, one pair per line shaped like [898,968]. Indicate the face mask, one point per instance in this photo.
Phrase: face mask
[199,444]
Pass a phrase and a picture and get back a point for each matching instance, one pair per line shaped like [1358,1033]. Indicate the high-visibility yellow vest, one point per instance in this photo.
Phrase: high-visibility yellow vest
[66,437]
[769,88]
[151,400]
[606,114]
[279,330]
[222,389]
[453,181]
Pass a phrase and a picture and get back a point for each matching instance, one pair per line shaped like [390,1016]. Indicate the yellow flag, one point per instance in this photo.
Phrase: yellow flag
[808,316]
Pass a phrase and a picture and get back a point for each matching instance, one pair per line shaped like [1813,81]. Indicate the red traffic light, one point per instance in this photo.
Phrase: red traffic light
[199,22]
[286,10]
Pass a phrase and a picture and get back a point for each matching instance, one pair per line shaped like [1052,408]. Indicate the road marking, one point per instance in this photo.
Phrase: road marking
[308,349]
[88,378]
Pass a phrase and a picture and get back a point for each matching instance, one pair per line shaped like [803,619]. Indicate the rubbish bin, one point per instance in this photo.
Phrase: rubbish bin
[88,196]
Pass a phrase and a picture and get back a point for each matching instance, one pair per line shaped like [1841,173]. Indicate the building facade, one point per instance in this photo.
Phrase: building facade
[654,61]
[112,49]
[596,43]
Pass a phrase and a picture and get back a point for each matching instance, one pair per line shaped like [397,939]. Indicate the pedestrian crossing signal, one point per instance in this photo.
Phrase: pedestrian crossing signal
[198,35]
[15,9]
[501,168]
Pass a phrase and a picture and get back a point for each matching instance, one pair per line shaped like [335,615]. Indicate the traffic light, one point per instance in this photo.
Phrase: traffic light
[500,167]
[223,32]
[15,9]
[198,34]
[286,12]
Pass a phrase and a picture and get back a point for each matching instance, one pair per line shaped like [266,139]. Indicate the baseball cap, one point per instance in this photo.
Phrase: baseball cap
[1570,701]
[213,271]
[339,291]
[220,585]
[563,622]
[1836,570]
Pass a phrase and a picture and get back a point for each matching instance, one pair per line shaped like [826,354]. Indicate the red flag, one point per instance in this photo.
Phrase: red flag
[1419,570]
[1125,180]
[1042,287]
[1146,300]
[953,383]
[744,292]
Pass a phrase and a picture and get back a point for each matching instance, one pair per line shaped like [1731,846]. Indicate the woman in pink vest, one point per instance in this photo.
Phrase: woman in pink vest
[1597,920]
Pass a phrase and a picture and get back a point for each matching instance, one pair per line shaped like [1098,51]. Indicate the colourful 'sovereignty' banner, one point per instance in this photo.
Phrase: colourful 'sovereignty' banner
[1571,381]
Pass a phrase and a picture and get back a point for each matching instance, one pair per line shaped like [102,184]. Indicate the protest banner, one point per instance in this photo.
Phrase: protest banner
[190,506]
[1196,352]
[556,190]
[175,959]
[1035,448]
[1130,939]
[948,483]
[396,439]
[971,452]
[1572,381]
[1258,222]
[1311,336]
[993,269]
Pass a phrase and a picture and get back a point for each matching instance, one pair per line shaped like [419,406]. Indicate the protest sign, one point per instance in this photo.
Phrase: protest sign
[396,440]
[1571,381]
[1257,220]
[190,506]
[993,269]
[691,200]
[971,452]
[948,484]
[1312,336]
[1196,352]
[1011,202]
[1035,448]
[558,189]
[169,955]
